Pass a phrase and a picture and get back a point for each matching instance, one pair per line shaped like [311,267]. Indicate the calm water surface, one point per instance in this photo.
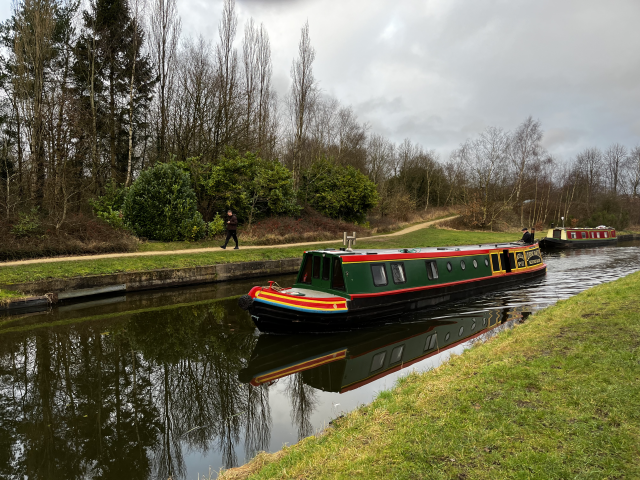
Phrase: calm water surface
[170,383]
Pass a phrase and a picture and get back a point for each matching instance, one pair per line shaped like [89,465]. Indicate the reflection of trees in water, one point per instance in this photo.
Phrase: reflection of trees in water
[76,402]
[303,400]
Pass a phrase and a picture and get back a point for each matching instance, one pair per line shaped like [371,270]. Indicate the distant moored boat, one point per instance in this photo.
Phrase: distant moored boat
[576,237]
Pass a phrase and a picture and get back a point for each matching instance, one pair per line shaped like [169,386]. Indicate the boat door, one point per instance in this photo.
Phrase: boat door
[316,270]
[321,270]
[508,261]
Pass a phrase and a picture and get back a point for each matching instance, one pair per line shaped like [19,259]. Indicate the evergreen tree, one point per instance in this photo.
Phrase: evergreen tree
[113,75]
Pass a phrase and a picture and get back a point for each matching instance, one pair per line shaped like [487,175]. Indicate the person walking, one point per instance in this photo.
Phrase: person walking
[232,225]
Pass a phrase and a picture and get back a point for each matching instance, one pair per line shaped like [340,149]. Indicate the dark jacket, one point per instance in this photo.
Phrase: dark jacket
[526,238]
[233,223]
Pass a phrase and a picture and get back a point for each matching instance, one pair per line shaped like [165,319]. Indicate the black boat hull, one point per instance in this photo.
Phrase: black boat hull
[554,243]
[371,311]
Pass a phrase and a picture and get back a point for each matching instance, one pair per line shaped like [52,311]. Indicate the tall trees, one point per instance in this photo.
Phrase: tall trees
[614,158]
[165,27]
[302,97]
[524,150]
[34,23]
[116,75]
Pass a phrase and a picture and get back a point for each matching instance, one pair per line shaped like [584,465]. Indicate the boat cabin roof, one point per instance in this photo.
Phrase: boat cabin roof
[477,248]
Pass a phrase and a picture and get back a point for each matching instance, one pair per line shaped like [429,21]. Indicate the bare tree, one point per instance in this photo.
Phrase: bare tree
[266,114]
[380,153]
[250,58]
[524,149]
[229,112]
[165,27]
[33,48]
[632,166]
[138,7]
[302,97]
[614,159]
[589,165]
[485,159]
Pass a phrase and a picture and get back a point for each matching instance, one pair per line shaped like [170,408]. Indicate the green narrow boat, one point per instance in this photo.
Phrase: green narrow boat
[341,290]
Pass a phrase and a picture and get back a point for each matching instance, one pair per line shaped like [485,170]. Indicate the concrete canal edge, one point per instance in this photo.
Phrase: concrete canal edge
[51,291]
[628,238]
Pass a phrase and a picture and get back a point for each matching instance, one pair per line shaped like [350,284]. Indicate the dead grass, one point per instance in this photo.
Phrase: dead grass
[255,465]
[79,235]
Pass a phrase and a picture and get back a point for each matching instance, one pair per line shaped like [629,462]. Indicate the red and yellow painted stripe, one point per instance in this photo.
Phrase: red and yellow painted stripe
[305,304]
[299,367]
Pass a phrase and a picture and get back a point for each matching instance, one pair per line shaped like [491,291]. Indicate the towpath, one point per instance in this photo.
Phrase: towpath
[211,249]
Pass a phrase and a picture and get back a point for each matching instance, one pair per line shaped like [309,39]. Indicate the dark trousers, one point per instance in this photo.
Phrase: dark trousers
[231,234]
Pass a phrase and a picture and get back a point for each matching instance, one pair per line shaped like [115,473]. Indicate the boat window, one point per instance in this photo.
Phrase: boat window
[462,264]
[305,276]
[473,325]
[584,234]
[431,342]
[326,264]
[605,234]
[486,262]
[432,269]
[557,234]
[512,260]
[495,260]
[396,354]
[461,331]
[449,266]
[597,234]
[316,266]
[573,234]
[447,337]
[337,280]
[475,263]
[484,322]
[397,272]
[378,361]
[379,273]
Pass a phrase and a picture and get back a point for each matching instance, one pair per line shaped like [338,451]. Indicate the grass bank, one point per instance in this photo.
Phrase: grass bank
[65,269]
[7,295]
[557,397]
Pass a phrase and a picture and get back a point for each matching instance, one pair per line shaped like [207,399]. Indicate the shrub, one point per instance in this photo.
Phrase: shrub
[338,192]
[109,206]
[216,226]
[161,205]
[28,224]
[250,186]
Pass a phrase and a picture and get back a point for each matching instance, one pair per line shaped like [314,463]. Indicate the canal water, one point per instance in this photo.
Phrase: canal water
[175,382]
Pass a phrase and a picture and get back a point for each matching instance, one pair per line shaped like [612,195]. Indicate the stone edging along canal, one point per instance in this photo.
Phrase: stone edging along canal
[51,291]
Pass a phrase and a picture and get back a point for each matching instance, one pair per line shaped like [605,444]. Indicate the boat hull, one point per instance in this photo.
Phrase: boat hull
[554,243]
[369,310]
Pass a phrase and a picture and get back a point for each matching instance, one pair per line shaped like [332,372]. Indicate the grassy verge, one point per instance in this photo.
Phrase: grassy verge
[7,295]
[558,397]
[41,271]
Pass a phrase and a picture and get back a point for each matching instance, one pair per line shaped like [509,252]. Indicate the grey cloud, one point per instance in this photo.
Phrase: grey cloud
[440,71]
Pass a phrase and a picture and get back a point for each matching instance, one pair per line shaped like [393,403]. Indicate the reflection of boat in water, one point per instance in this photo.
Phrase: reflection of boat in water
[341,290]
[576,237]
[340,363]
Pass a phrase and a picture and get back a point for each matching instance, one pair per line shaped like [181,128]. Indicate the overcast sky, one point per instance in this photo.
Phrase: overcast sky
[440,71]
